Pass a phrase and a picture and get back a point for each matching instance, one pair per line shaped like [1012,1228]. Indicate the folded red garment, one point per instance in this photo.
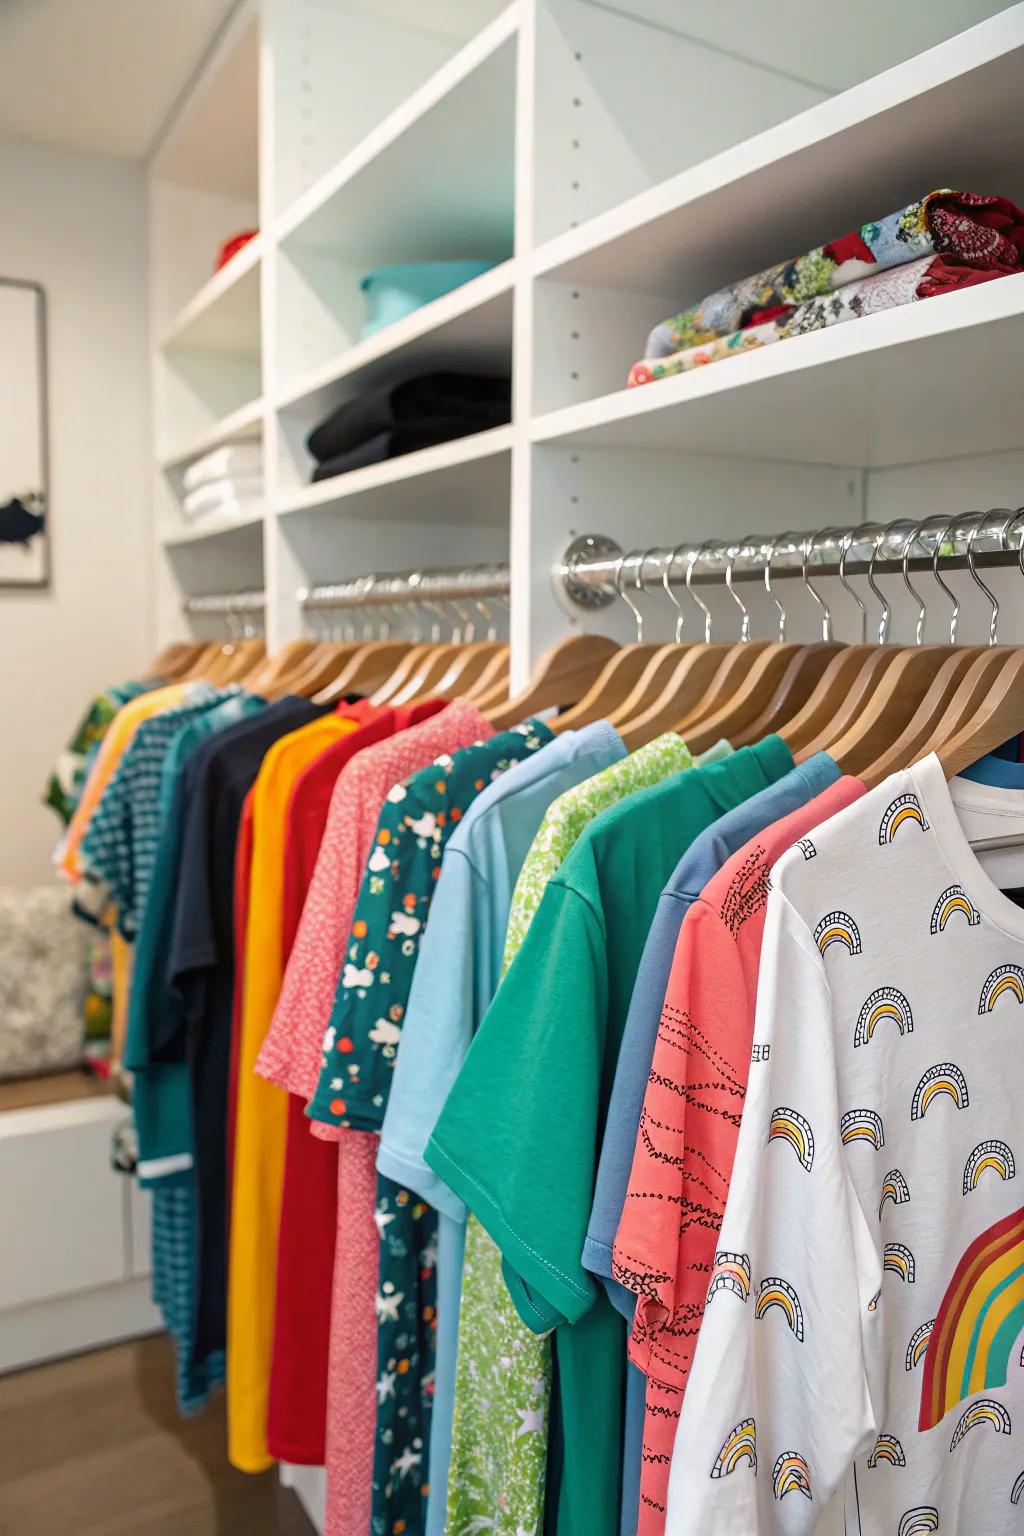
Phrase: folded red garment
[232,246]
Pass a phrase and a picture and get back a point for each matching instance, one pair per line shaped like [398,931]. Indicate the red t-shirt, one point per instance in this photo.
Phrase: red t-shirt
[665,1244]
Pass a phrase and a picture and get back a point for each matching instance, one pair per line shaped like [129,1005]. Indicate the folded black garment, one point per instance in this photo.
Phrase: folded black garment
[391,445]
[479,401]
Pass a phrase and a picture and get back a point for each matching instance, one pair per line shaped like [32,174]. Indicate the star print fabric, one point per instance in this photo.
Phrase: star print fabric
[419,815]
[406,1328]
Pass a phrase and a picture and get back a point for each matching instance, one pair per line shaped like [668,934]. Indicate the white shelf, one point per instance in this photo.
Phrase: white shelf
[246,422]
[942,119]
[465,480]
[224,316]
[435,178]
[940,378]
[469,329]
[205,529]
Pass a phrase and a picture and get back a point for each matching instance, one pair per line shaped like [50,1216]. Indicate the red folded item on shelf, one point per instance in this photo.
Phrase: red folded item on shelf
[232,246]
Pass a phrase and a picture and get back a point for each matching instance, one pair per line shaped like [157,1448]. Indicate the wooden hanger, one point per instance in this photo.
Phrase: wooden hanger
[427,676]
[280,666]
[889,707]
[563,675]
[813,718]
[468,667]
[960,686]
[735,717]
[802,676]
[174,661]
[998,716]
[493,677]
[323,664]
[369,667]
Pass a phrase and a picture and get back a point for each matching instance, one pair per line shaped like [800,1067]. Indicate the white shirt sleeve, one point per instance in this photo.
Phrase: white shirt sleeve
[778,1403]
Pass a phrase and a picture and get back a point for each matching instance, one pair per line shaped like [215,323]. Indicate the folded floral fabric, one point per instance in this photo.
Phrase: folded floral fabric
[922,279]
[985,232]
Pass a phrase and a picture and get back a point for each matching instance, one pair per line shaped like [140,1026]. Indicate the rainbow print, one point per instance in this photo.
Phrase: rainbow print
[953,899]
[1005,978]
[887,1448]
[731,1273]
[894,1188]
[884,1003]
[790,1475]
[917,1521]
[773,1292]
[862,1125]
[903,810]
[944,1077]
[899,1260]
[1017,1491]
[873,1303]
[807,848]
[787,1125]
[979,1320]
[985,1411]
[918,1345]
[838,928]
[988,1154]
[740,1444]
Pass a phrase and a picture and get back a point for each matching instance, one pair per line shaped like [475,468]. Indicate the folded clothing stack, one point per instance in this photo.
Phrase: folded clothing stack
[226,483]
[433,408]
[946,241]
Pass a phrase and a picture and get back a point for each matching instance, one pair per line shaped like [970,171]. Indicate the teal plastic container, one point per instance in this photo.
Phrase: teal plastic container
[394,292]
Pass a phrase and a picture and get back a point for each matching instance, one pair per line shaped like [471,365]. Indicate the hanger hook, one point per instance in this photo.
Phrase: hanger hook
[680,611]
[806,554]
[883,617]
[695,556]
[634,610]
[733,552]
[993,619]
[846,544]
[639,584]
[908,545]
[769,555]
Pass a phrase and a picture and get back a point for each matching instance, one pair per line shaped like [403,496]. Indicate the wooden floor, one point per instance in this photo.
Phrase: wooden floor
[94,1447]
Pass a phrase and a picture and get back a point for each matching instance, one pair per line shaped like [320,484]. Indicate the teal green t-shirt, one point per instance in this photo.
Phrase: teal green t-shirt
[519,1136]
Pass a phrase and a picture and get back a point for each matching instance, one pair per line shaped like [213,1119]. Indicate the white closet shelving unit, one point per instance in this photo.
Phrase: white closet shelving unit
[615,159]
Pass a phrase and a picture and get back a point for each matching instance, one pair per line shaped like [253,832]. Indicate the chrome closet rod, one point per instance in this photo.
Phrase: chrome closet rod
[594,567]
[221,603]
[387,588]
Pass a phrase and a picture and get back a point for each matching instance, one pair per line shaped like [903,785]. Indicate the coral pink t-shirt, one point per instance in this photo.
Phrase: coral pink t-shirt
[664,1248]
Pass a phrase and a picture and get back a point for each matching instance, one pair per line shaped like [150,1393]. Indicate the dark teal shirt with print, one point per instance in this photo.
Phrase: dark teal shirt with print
[419,816]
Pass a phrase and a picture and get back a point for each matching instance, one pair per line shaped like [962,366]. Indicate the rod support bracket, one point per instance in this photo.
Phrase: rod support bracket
[586,550]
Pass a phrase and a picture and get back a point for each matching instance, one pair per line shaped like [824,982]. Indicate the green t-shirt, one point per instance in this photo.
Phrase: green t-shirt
[519,1136]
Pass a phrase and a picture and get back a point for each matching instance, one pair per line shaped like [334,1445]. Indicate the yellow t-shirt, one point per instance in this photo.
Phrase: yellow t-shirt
[112,748]
[260,1107]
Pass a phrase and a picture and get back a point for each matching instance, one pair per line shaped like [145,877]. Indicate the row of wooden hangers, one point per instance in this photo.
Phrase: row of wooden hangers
[874,707]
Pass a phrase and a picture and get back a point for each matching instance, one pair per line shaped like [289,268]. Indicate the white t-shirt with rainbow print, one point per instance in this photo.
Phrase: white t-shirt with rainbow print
[860,1368]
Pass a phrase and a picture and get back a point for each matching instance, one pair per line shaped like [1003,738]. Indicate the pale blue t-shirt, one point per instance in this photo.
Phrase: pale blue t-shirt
[703,859]
[456,977]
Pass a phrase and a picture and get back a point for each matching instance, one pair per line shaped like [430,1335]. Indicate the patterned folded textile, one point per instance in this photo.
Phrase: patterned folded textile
[922,279]
[986,232]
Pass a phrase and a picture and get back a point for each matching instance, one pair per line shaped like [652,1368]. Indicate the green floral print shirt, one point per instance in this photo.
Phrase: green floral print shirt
[503,1374]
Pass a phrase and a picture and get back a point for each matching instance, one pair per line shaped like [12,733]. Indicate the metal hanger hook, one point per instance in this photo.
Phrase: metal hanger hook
[884,616]
[993,620]
[680,611]
[806,555]
[639,584]
[846,544]
[769,555]
[734,550]
[695,556]
[634,610]
[910,541]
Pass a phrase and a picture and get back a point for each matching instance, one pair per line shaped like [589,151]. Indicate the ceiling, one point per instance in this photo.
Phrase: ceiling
[99,76]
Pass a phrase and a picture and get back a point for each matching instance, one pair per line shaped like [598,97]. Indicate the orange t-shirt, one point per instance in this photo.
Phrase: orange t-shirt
[665,1243]
[260,1110]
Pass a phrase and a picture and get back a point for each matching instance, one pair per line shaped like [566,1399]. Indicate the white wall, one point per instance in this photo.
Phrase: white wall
[77,224]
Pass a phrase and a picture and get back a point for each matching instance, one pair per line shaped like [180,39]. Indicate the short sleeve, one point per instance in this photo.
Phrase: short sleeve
[778,1401]
[517,1139]
[436,1035]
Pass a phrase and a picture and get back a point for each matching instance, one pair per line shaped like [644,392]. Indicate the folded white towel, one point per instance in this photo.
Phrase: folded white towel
[245,458]
[243,507]
[218,493]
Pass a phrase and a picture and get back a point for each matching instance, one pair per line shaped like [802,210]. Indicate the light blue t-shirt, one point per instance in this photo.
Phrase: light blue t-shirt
[456,977]
[703,859]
